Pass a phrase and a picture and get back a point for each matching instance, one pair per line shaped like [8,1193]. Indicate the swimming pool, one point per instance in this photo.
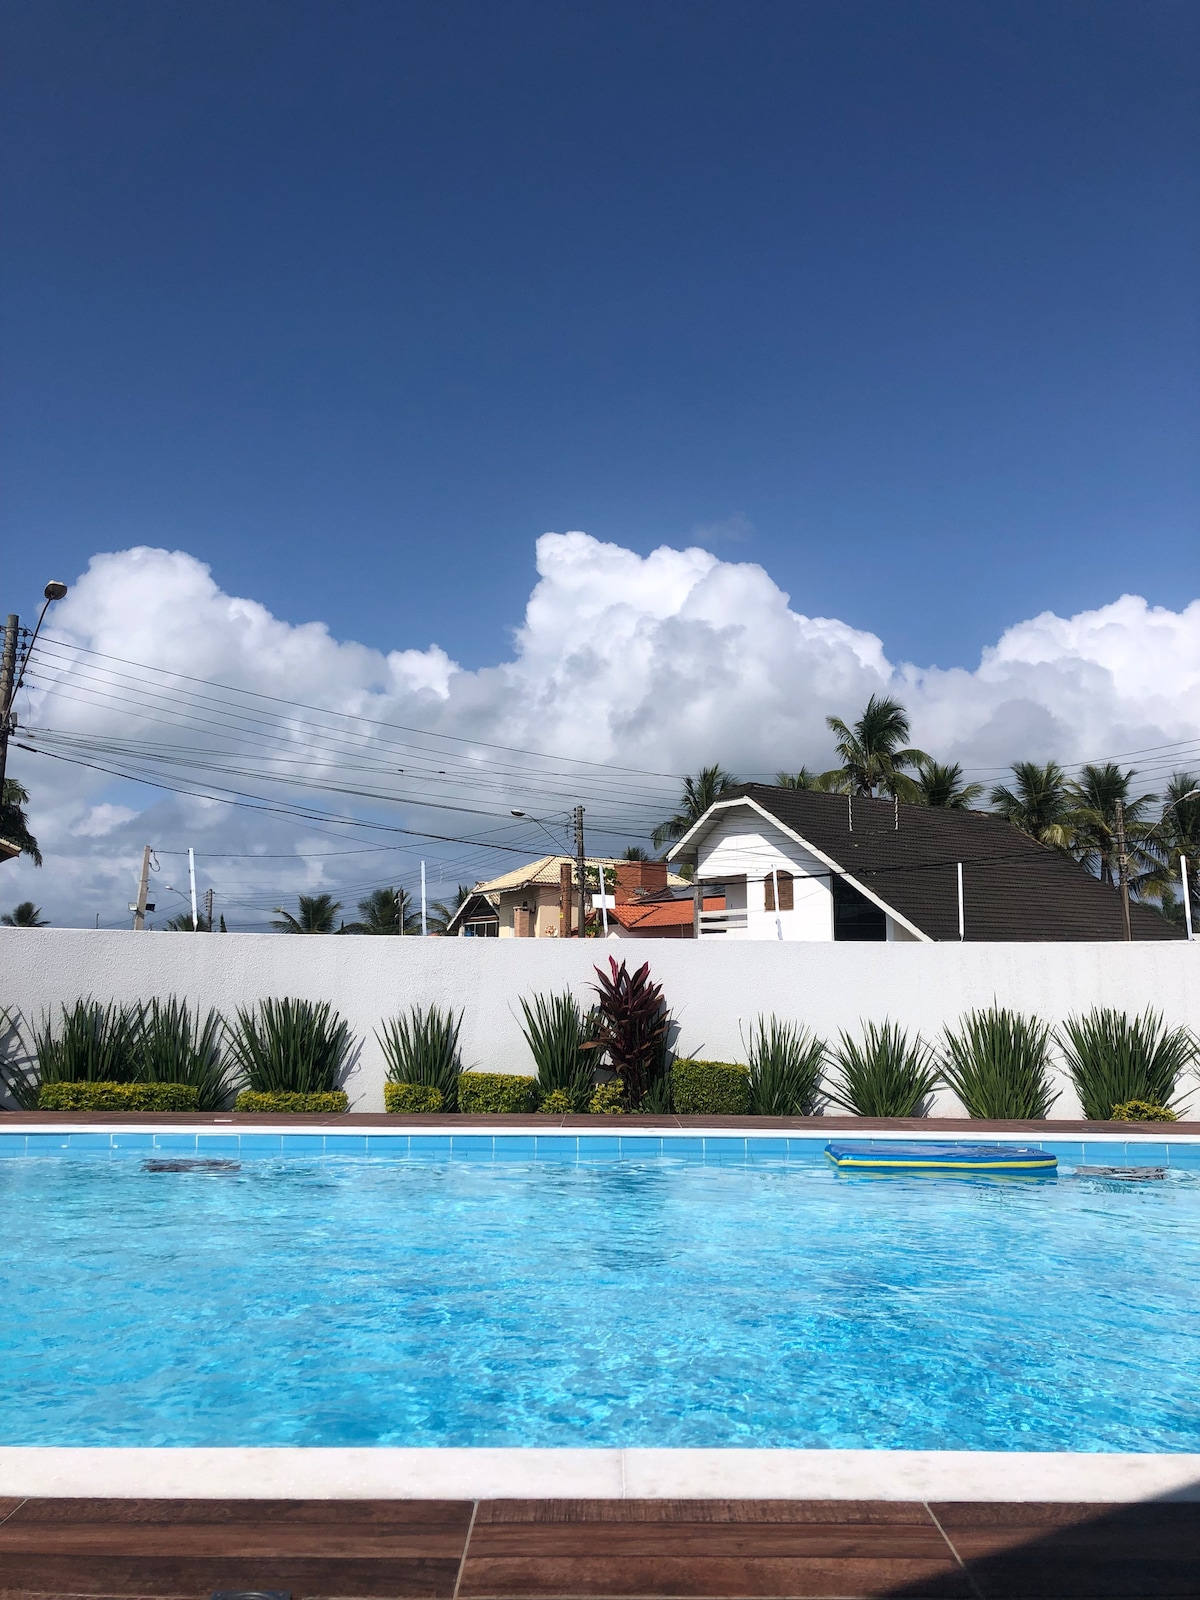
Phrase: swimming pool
[594,1292]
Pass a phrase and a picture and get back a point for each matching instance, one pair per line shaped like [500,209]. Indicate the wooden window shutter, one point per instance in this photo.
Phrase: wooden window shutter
[786,892]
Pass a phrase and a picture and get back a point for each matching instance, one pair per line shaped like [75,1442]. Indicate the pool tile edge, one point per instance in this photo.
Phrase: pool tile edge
[432,1474]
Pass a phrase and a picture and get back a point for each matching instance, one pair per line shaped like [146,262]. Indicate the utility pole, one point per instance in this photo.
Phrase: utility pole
[10,678]
[424,918]
[192,879]
[208,909]
[1123,868]
[581,867]
[139,910]
[8,674]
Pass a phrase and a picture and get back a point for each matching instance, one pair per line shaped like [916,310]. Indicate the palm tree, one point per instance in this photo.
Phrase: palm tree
[636,853]
[182,923]
[385,911]
[1095,794]
[698,794]
[941,785]
[25,915]
[873,752]
[1038,802]
[804,779]
[441,915]
[1179,829]
[317,914]
[14,824]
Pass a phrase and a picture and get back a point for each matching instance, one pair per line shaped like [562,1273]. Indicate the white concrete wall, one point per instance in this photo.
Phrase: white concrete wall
[715,987]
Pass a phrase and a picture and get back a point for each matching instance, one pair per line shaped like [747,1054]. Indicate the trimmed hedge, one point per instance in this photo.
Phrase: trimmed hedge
[327,1101]
[402,1099]
[1142,1111]
[486,1093]
[101,1096]
[608,1100]
[710,1089]
[557,1103]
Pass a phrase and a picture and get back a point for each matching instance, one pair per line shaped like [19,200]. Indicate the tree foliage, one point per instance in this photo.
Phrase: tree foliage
[316,913]
[874,752]
[386,911]
[698,794]
[14,823]
[940,784]
[24,915]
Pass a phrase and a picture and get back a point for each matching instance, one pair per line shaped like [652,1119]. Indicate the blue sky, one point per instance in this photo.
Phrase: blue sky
[354,301]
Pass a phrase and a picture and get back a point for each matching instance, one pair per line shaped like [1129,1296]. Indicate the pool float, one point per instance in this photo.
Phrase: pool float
[922,1157]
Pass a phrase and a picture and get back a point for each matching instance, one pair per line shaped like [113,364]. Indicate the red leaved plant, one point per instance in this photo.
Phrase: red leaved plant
[632,1022]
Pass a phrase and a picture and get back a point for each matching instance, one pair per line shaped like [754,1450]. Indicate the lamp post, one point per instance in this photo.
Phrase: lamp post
[1192,794]
[10,678]
[524,815]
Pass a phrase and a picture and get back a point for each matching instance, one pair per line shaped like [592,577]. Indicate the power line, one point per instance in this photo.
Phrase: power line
[399,727]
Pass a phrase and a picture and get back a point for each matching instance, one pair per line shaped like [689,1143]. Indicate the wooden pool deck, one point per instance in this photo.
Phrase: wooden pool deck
[559,1550]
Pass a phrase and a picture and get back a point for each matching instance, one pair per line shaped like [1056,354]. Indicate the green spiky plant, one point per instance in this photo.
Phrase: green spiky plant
[998,1064]
[786,1065]
[421,1046]
[92,1043]
[289,1047]
[1114,1058]
[181,1046]
[884,1076]
[560,1035]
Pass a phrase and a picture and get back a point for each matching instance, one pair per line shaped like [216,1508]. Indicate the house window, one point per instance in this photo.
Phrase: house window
[855,918]
[482,930]
[786,901]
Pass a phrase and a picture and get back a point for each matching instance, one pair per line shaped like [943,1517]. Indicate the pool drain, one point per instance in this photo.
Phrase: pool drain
[191,1166]
[1124,1174]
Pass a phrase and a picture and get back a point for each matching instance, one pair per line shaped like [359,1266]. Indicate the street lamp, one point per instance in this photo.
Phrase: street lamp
[524,815]
[10,678]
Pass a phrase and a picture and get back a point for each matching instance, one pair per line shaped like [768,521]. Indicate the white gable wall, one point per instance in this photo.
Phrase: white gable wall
[740,850]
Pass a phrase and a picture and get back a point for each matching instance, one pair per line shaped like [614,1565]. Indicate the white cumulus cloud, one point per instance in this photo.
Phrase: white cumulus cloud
[662,663]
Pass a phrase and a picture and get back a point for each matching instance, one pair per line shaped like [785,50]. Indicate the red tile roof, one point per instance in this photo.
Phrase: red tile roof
[654,914]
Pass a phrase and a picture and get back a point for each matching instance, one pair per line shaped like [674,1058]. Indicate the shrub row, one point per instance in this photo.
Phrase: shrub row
[291,1054]
[99,1096]
[329,1102]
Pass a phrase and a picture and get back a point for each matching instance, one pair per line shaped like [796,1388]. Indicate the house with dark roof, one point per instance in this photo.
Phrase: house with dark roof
[776,863]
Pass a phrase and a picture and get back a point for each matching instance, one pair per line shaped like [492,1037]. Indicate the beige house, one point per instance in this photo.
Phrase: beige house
[536,901]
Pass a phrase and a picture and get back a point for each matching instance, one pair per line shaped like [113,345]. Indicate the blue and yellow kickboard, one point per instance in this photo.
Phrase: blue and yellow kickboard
[930,1157]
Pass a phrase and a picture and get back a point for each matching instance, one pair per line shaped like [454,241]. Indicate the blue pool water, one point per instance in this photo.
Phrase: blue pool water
[351,1300]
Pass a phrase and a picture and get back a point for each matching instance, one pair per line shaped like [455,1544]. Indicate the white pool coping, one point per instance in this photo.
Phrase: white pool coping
[383,1473]
[433,1474]
[537,1127]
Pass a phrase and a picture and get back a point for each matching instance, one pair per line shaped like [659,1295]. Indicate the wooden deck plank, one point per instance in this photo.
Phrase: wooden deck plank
[108,1549]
